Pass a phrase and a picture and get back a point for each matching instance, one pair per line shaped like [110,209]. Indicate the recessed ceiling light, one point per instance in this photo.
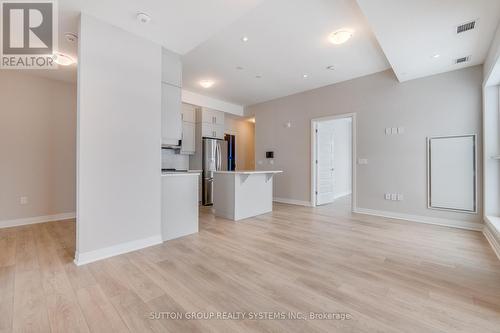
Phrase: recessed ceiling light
[305,76]
[63,59]
[143,18]
[331,68]
[436,56]
[71,37]
[207,83]
[340,36]
[244,39]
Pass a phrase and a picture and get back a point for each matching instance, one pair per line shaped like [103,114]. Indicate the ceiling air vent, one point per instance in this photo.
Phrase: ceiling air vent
[466,27]
[462,60]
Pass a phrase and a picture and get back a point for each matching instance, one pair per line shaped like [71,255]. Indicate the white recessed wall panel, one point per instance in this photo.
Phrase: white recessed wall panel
[452,173]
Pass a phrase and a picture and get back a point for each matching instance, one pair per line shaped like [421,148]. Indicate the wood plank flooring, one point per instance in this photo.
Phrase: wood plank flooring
[389,276]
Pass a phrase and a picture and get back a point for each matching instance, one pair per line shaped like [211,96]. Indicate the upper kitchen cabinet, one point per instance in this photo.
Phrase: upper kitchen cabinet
[188,113]
[171,88]
[171,68]
[209,116]
[188,146]
[171,114]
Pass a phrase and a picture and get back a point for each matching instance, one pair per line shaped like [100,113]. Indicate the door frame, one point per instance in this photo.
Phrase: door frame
[314,123]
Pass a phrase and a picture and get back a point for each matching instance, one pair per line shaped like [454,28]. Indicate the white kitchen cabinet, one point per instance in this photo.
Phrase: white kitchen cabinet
[188,138]
[209,116]
[188,113]
[171,114]
[179,214]
[212,131]
[171,68]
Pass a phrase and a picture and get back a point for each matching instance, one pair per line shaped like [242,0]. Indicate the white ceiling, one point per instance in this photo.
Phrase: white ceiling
[411,32]
[286,40]
[177,25]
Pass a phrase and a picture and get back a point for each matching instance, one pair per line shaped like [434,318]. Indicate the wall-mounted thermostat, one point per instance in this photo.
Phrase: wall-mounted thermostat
[269,154]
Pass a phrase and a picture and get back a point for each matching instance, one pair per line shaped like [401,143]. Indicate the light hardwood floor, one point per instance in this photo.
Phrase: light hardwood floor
[390,276]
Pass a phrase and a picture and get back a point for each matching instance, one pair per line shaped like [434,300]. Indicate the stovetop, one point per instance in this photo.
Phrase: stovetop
[173,170]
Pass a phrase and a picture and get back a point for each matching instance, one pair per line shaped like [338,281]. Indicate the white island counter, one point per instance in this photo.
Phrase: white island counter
[242,194]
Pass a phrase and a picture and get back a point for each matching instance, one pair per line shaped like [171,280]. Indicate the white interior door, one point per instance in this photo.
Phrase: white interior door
[325,171]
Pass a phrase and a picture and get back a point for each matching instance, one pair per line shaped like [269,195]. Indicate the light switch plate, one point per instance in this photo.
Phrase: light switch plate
[400,197]
[387,196]
[394,197]
[394,130]
[388,131]
[401,130]
[362,161]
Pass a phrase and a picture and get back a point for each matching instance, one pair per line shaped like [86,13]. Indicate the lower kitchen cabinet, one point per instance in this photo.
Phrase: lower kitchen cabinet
[179,214]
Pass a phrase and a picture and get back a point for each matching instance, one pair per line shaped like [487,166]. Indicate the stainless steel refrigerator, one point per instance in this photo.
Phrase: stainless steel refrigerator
[214,159]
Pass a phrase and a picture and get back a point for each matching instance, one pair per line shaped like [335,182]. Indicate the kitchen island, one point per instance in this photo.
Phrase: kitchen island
[242,194]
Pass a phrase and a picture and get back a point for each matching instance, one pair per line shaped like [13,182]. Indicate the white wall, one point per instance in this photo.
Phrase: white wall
[444,104]
[37,145]
[491,127]
[119,140]
[491,67]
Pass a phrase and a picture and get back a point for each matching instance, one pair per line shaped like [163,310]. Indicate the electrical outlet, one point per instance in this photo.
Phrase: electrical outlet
[23,200]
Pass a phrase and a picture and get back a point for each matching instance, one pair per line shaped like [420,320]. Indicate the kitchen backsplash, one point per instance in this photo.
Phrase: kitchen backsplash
[172,160]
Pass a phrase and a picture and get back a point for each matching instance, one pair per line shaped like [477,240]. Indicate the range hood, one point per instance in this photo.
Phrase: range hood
[176,145]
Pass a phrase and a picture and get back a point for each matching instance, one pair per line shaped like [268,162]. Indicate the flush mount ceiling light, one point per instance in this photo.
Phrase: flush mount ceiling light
[244,39]
[330,68]
[71,37]
[207,83]
[436,56]
[63,59]
[340,36]
[305,76]
[143,18]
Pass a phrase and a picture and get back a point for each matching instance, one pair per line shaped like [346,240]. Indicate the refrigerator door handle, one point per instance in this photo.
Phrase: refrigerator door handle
[218,155]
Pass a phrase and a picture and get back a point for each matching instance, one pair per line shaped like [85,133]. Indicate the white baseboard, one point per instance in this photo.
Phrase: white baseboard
[421,219]
[292,202]
[492,235]
[36,219]
[111,251]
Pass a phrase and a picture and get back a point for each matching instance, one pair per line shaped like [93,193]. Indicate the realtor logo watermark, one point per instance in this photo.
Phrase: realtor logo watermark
[29,34]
